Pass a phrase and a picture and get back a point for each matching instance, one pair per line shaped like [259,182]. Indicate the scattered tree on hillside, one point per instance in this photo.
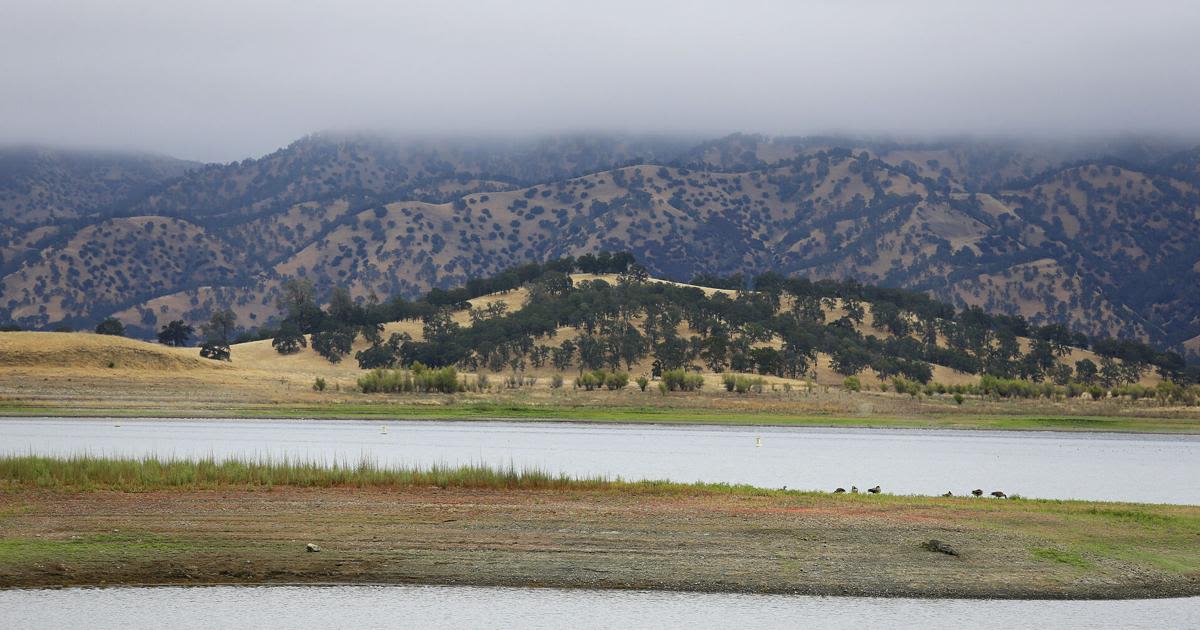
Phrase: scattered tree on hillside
[383,354]
[298,303]
[176,334]
[1086,371]
[334,344]
[111,326]
[777,328]
[289,339]
[217,331]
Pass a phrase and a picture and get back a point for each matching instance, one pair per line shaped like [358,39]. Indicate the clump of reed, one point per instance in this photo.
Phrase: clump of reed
[743,384]
[418,379]
[87,472]
[680,380]
[90,473]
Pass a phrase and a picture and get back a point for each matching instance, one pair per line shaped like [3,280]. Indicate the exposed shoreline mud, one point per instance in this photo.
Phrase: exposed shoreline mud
[706,542]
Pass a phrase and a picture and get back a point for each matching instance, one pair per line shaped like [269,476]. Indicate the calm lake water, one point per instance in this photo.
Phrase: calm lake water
[1118,467]
[363,607]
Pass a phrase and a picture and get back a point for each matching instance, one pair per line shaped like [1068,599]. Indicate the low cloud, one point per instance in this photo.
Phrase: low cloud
[223,80]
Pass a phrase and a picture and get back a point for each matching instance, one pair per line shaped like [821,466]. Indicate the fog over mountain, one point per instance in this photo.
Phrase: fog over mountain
[224,80]
[1031,158]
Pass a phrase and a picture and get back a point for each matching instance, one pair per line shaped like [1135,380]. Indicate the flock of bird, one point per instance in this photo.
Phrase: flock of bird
[976,492]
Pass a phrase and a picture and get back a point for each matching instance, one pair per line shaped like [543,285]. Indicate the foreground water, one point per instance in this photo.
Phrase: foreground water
[364,607]
[1100,466]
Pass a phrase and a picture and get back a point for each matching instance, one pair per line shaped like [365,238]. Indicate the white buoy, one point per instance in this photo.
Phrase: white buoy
[383,430]
[757,442]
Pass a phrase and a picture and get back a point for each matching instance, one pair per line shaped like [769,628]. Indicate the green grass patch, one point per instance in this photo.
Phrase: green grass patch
[87,473]
[441,407]
[1140,517]
[1061,556]
[13,550]
[132,475]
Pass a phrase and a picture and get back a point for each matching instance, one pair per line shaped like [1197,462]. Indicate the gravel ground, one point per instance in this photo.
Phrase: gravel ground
[835,545]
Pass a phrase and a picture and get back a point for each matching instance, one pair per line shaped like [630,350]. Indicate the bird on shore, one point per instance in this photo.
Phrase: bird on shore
[999,495]
[977,492]
[948,494]
[839,491]
[874,490]
[853,489]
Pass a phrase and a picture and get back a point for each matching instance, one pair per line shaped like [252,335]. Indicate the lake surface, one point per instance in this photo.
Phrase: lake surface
[364,607]
[1118,467]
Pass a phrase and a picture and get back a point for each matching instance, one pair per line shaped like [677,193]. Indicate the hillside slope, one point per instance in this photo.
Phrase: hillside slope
[80,351]
[41,186]
[1106,244]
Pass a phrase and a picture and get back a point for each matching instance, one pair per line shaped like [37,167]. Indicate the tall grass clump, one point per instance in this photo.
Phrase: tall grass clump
[616,380]
[418,379]
[84,472]
[597,379]
[743,384]
[680,381]
[87,473]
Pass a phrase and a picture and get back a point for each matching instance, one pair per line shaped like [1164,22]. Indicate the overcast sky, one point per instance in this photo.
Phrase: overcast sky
[227,79]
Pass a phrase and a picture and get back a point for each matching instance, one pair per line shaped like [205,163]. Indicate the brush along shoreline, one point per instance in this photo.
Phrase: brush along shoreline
[97,521]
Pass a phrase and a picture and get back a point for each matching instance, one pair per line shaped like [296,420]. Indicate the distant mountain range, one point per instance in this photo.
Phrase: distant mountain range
[1103,236]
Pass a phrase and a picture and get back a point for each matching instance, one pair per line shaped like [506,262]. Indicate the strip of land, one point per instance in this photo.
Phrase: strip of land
[433,407]
[92,522]
[48,374]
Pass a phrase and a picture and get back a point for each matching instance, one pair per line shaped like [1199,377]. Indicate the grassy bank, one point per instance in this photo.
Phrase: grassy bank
[1014,418]
[101,521]
[86,473]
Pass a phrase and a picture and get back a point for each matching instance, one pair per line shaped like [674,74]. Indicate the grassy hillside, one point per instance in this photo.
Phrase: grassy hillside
[40,185]
[524,344]
[1054,234]
[69,352]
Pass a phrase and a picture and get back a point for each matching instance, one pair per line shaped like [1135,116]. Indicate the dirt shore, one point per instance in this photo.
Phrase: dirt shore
[61,374]
[704,541]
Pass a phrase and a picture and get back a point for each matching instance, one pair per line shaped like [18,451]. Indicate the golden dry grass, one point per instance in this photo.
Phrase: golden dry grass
[89,351]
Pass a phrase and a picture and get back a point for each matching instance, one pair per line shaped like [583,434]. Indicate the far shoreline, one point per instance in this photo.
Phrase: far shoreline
[600,417]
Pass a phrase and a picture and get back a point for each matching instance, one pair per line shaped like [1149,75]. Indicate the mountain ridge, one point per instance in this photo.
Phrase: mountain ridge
[1085,241]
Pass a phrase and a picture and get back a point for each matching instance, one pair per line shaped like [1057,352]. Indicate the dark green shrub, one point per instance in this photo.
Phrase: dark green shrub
[111,326]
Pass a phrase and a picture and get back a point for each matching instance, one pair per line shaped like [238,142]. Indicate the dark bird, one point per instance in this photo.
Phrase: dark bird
[948,494]
[853,489]
[874,490]
[977,492]
[999,495]
[839,491]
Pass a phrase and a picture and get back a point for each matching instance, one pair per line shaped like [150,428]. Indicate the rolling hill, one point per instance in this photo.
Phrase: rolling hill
[1104,237]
